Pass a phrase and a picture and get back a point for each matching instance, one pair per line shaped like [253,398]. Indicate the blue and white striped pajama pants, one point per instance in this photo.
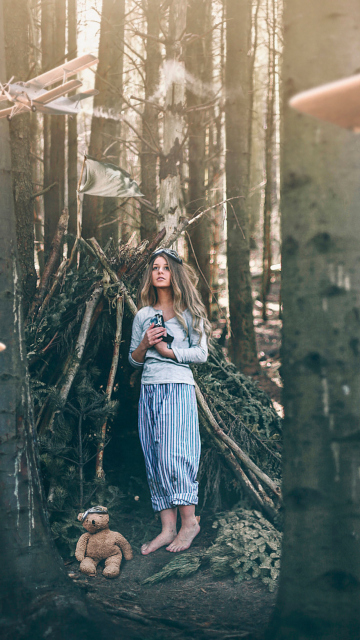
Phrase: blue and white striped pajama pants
[170,440]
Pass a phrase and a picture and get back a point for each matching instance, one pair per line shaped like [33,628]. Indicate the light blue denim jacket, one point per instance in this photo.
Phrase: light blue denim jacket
[160,370]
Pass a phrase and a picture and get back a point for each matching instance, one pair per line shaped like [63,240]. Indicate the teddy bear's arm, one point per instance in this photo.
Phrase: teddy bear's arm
[81,547]
[124,546]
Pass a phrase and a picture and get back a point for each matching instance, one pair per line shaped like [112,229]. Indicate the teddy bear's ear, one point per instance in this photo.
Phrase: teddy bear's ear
[80,516]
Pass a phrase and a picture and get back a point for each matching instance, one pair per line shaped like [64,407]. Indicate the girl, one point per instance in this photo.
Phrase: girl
[170,307]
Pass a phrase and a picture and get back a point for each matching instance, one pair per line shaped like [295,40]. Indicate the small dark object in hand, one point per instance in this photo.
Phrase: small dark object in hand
[158,321]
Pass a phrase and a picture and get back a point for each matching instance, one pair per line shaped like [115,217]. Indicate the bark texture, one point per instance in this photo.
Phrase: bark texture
[105,123]
[17,64]
[199,68]
[320,566]
[238,25]
[53,55]
[171,200]
[150,128]
[269,152]
[72,124]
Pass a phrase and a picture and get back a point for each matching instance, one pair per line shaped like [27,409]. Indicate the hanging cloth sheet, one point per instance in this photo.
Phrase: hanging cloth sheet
[107,180]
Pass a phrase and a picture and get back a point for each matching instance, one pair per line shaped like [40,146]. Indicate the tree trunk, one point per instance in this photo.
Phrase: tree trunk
[37,597]
[17,63]
[256,131]
[320,566]
[171,200]
[36,137]
[72,125]
[150,130]
[47,40]
[215,175]
[269,152]
[238,25]
[197,62]
[54,199]
[105,123]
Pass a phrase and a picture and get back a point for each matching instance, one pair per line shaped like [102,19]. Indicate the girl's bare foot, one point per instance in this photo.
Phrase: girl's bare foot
[165,537]
[185,536]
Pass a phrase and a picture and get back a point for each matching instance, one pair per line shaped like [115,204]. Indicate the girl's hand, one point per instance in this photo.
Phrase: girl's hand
[153,336]
[162,348]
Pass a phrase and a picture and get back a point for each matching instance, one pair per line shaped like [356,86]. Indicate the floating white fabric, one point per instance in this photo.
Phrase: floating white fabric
[108,180]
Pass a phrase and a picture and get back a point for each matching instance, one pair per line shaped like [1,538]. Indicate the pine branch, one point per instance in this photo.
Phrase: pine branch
[114,277]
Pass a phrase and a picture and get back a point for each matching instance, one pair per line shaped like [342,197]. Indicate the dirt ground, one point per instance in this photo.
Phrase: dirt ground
[199,606]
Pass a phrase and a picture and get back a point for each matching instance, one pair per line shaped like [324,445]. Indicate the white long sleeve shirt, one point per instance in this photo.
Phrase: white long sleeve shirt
[187,349]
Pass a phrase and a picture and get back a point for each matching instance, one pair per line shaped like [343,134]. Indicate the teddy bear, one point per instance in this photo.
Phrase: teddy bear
[99,543]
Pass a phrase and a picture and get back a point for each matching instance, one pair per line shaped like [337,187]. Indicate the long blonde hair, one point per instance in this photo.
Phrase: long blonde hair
[185,294]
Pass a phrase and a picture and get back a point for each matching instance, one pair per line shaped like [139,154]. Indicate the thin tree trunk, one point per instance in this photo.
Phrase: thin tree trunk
[269,151]
[216,191]
[105,123]
[17,63]
[320,565]
[54,199]
[72,124]
[197,61]
[238,25]
[47,43]
[171,200]
[254,44]
[256,130]
[150,128]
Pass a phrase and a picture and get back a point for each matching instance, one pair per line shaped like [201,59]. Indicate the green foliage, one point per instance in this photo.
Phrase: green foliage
[246,545]
[182,566]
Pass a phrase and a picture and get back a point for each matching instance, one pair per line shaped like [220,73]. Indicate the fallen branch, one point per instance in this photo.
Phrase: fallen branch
[51,264]
[236,469]
[64,265]
[43,191]
[114,277]
[185,223]
[90,306]
[243,457]
[251,433]
[260,489]
[58,275]
[134,271]
[74,362]
[99,472]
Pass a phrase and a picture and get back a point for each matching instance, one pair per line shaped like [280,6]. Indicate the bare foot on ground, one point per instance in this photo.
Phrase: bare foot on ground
[165,537]
[185,537]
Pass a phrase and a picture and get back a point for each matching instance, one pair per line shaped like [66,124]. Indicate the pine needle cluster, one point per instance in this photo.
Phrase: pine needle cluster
[246,545]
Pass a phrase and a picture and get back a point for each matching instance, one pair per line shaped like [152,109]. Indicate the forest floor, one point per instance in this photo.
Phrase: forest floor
[199,606]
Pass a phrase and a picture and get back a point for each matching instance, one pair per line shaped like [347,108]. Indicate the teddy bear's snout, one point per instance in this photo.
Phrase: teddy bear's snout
[93,523]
